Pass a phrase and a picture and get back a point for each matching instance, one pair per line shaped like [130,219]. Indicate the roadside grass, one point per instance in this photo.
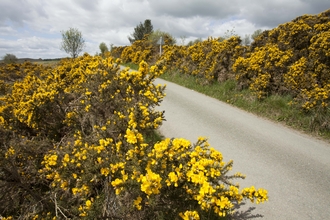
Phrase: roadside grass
[274,107]
[132,66]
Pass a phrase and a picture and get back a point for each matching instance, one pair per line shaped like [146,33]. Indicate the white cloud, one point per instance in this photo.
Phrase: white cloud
[7,31]
[192,8]
[32,47]
[239,27]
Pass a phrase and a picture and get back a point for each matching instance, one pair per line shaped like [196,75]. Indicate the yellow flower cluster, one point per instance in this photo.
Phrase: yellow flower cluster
[140,50]
[50,160]
[176,164]
[210,59]
[189,215]
[10,152]
[308,77]
[260,69]
[150,183]
[137,203]
[252,193]
[14,72]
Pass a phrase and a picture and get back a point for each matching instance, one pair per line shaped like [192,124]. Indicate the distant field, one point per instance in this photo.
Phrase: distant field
[46,62]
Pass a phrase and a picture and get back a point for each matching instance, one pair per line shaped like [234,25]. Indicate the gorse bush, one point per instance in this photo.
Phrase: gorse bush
[301,69]
[145,49]
[75,144]
[262,71]
[211,59]
[140,50]
[51,106]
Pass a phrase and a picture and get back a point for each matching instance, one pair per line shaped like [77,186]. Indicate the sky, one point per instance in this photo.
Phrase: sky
[32,28]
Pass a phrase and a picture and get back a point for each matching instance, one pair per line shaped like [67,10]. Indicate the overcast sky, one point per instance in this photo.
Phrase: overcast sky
[32,28]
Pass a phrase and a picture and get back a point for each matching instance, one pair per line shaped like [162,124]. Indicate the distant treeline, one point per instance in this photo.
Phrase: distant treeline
[55,59]
[34,60]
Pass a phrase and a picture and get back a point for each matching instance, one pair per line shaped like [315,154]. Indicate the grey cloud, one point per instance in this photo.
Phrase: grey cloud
[273,13]
[87,5]
[7,30]
[191,8]
[4,45]
[196,26]
[20,11]
[316,6]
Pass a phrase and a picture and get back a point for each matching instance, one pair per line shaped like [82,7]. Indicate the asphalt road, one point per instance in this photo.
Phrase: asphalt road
[293,167]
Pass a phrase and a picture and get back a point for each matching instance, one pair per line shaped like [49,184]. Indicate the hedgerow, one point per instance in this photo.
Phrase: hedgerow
[211,59]
[291,60]
[295,61]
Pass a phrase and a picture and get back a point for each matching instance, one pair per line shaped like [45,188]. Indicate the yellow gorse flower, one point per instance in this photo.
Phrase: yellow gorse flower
[150,183]
[189,215]
[137,203]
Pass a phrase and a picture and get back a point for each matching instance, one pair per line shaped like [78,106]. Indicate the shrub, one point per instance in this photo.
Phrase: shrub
[74,145]
[9,58]
[262,71]
[85,95]
[211,59]
[140,50]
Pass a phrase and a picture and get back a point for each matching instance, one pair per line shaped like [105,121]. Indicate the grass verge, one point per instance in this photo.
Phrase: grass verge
[133,66]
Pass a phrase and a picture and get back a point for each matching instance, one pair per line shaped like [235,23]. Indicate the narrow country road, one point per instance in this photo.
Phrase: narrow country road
[293,167]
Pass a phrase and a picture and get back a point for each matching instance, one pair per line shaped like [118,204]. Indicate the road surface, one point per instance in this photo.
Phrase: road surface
[293,167]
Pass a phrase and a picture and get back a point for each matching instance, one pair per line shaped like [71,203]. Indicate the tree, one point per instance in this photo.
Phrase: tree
[256,33]
[111,47]
[183,40]
[104,48]
[190,43]
[167,38]
[72,42]
[229,33]
[246,40]
[141,30]
[9,58]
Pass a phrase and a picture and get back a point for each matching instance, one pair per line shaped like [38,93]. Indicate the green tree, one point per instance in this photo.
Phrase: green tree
[246,40]
[256,33]
[168,38]
[72,42]
[104,48]
[9,58]
[190,43]
[111,47]
[141,30]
